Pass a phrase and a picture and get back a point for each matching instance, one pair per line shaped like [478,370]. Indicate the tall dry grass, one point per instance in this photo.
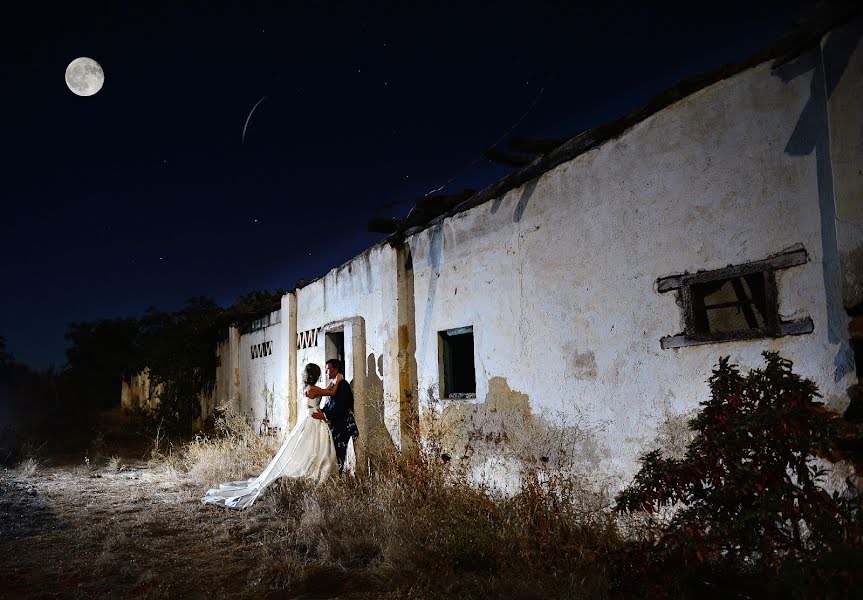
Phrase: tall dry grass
[236,451]
[28,467]
[415,527]
[413,530]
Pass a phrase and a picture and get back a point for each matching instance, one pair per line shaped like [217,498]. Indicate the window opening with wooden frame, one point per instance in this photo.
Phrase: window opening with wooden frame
[457,363]
[734,303]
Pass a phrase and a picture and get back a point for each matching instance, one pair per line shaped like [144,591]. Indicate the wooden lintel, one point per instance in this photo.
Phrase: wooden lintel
[797,327]
[667,284]
[796,255]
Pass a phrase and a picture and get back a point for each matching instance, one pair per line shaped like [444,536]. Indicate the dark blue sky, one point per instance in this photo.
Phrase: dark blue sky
[144,194]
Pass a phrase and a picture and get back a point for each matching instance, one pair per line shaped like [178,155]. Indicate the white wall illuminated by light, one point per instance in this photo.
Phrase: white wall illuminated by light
[558,281]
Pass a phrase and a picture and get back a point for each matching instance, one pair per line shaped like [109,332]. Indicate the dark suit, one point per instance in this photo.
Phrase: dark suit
[340,416]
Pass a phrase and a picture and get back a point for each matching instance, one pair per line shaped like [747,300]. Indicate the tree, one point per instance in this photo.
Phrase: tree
[99,354]
[178,349]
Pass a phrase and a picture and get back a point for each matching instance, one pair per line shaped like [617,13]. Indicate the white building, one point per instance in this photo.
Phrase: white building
[571,313]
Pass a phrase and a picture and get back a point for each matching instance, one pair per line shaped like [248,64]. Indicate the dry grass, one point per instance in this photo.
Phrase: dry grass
[414,528]
[238,452]
[28,467]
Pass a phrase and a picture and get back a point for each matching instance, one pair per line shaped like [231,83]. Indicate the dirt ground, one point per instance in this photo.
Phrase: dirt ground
[121,533]
[123,527]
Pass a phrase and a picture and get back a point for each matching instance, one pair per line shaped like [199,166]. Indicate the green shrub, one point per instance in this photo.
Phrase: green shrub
[746,497]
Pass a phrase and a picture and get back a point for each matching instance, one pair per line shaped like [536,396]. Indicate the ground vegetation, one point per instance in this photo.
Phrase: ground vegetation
[718,522]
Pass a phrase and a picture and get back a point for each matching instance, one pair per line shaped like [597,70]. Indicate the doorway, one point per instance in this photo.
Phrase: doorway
[335,346]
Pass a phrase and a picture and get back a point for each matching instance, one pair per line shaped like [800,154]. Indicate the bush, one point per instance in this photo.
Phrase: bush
[746,497]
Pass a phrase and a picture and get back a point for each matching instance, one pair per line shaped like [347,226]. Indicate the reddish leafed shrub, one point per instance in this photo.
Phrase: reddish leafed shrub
[746,497]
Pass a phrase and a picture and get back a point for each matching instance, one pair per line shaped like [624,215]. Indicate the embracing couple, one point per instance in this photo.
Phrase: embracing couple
[315,449]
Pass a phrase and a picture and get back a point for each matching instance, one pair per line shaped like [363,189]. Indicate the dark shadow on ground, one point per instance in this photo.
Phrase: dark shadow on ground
[23,513]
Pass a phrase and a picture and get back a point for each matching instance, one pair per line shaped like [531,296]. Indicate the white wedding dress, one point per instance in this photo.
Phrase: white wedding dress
[308,451]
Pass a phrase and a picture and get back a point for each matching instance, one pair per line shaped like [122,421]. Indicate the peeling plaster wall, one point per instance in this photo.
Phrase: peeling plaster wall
[558,277]
[135,394]
[558,280]
[843,64]
[362,296]
[227,389]
[263,375]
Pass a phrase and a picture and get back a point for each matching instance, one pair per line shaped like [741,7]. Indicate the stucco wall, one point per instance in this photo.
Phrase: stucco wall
[226,392]
[359,298]
[263,375]
[843,63]
[558,278]
[136,394]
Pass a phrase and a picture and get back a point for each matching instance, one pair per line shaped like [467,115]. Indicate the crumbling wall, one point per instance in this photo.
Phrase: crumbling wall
[138,395]
[360,300]
[226,391]
[263,375]
[558,277]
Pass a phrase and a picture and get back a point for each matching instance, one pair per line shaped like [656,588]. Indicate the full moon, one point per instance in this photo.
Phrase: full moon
[84,76]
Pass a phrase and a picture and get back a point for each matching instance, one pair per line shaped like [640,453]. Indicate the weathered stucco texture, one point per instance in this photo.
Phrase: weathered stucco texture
[263,368]
[136,394]
[360,300]
[843,58]
[558,277]
[227,389]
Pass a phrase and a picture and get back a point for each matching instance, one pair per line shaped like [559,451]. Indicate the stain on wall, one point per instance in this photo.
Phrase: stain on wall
[506,428]
[376,439]
[583,365]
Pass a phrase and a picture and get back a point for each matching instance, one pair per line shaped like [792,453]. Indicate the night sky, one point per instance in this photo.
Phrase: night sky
[146,194]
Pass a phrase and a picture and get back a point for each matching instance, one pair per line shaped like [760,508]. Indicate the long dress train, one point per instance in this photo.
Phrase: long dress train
[308,451]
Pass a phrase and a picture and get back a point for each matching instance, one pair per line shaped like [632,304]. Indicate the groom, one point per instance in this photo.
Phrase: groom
[339,412]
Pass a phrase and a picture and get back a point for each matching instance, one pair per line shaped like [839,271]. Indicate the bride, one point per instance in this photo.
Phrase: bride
[308,451]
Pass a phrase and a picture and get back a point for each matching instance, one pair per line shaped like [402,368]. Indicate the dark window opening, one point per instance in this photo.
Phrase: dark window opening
[735,303]
[730,305]
[335,346]
[459,376]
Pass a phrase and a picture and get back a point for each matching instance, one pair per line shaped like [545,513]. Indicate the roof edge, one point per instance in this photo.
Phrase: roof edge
[784,49]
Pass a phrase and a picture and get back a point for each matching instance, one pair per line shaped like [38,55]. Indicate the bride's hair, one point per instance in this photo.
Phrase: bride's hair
[311,374]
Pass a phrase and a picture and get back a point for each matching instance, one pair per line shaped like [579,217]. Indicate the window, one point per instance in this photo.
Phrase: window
[456,360]
[734,303]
